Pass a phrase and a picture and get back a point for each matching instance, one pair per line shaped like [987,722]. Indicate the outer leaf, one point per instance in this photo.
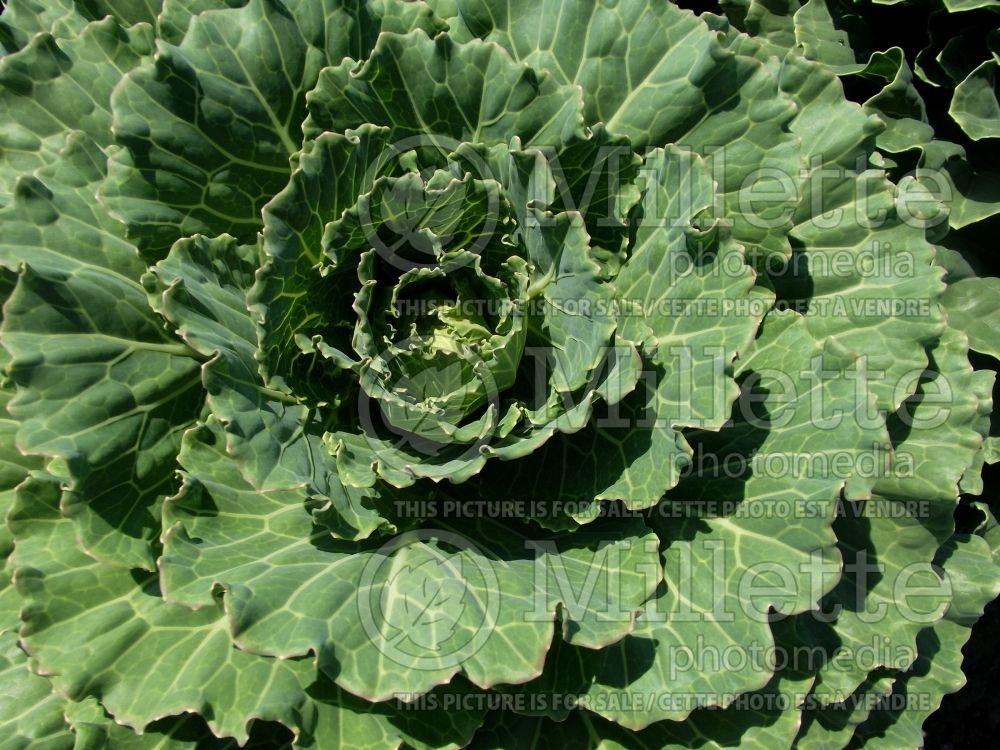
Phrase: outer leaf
[79,328]
[174,19]
[831,727]
[971,308]
[975,189]
[14,468]
[401,618]
[800,425]
[93,728]
[31,715]
[939,432]
[53,85]
[957,6]
[738,542]
[889,546]
[888,549]
[863,272]
[764,719]
[398,87]
[54,223]
[862,269]
[819,30]
[210,124]
[671,265]
[201,289]
[101,631]
[974,104]
[104,391]
[898,104]
[653,73]
[826,32]
[22,19]
[771,23]
[938,668]
[126,12]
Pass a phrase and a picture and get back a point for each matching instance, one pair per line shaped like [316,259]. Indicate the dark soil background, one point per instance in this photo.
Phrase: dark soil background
[970,718]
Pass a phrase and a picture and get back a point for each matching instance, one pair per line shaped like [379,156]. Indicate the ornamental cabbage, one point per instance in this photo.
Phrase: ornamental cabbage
[444,373]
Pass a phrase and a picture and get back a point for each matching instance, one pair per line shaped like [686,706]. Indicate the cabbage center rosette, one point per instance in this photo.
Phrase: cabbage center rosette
[441,324]
[403,276]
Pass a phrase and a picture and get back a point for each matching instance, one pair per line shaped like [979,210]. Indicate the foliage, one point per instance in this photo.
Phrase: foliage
[447,373]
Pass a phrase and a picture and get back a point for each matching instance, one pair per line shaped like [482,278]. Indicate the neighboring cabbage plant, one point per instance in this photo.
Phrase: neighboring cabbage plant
[390,373]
